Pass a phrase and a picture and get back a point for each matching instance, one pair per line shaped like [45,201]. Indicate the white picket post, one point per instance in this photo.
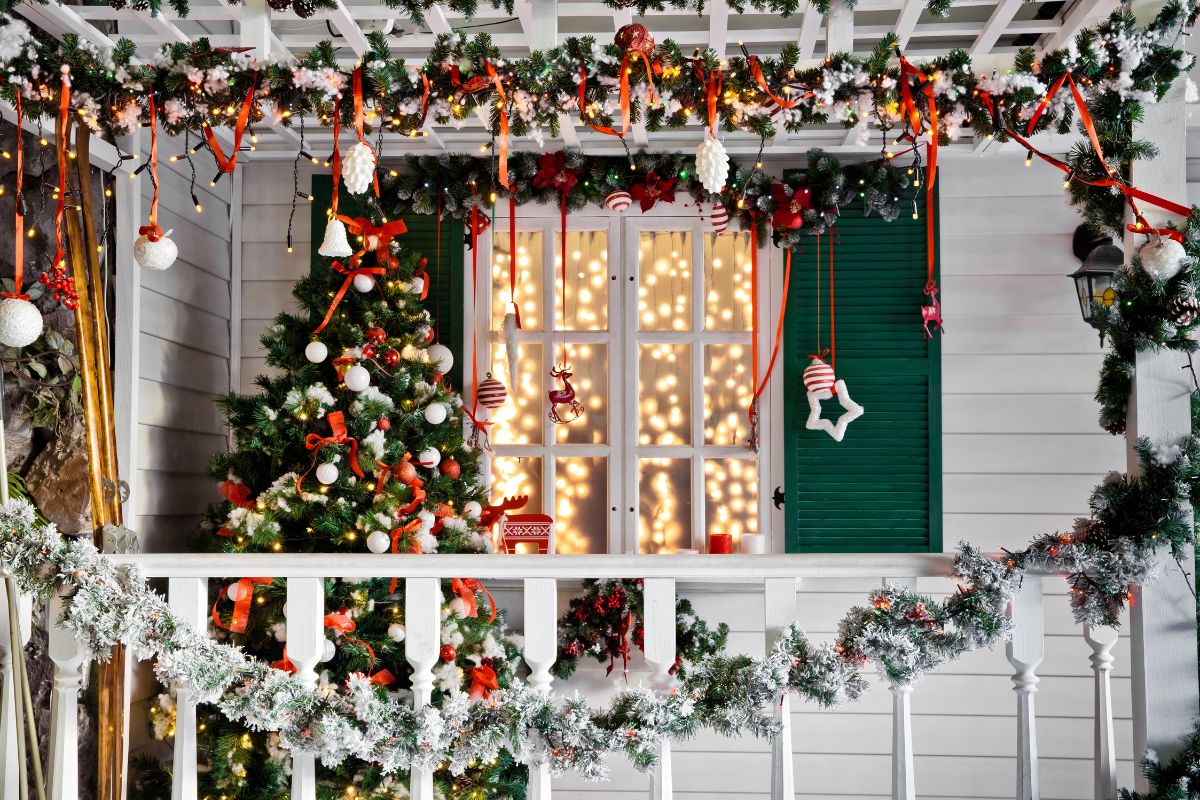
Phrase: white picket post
[541,649]
[779,608]
[9,764]
[1101,640]
[659,638]
[188,598]
[904,783]
[1025,651]
[305,646]
[68,658]
[422,644]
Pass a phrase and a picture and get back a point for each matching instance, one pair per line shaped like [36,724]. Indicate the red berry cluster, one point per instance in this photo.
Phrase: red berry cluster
[63,287]
[575,648]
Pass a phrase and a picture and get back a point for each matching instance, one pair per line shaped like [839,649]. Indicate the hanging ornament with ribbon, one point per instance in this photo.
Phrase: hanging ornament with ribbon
[358,169]
[20,321]
[819,378]
[154,249]
[933,312]
[335,244]
[712,162]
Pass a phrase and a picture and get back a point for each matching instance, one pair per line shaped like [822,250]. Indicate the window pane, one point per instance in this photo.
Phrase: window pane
[513,477]
[587,281]
[731,497]
[727,393]
[664,290]
[589,377]
[529,279]
[665,500]
[665,394]
[581,505]
[728,301]
[519,421]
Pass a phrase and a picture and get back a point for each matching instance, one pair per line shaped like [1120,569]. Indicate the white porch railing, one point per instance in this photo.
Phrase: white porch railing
[780,576]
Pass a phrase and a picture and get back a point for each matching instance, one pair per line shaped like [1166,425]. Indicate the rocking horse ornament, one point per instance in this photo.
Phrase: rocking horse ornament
[564,396]
[932,313]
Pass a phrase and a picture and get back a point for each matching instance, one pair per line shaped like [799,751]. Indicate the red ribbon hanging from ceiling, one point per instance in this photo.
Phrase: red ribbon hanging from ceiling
[64,108]
[914,117]
[625,103]
[756,70]
[228,165]
[152,231]
[19,221]
[502,140]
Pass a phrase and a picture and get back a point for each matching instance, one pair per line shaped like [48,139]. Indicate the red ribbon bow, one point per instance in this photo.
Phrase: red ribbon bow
[337,421]
[466,588]
[238,494]
[414,548]
[241,606]
[483,680]
[350,275]
[284,664]
[374,238]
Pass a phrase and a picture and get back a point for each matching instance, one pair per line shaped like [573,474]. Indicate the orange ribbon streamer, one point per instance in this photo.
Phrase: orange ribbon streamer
[502,141]
[907,69]
[19,223]
[715,81]
[64,108]
[625,112]
[466,588]
[239,495]
[756,70]
[483,681]
[228,165]
[284,664]
[340,621]
[337,421]
[350,275]
[152,231]
[396,533]
[358,123]
[241,606]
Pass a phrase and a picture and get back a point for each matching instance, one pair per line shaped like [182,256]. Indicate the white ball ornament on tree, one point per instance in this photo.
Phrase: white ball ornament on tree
[335,244]
[435,413]
[712,163]
[316,352]
[327,473]
[441,358]
[155,255]
[396,632]
[357,378]
[358,168]
[430,457]
[20,322]
[363,283]
[417,285]
[328,651]
[379,542]
[1162,258]
[472,509]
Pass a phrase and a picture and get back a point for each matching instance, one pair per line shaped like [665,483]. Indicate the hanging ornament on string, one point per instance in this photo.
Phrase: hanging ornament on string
[635,37]
[492,393]
[820,379]
[20,321]
[512,314]
[564,397]
[1162,257]
[718,218]
[154,249]
[618,201]
[358,170]
[316,352]
[335,244]
[712,163]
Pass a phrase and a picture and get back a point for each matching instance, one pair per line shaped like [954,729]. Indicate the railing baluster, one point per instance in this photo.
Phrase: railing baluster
[305,646]
[9,763]
[1025,652]
[659,594]
[1101,641]
[68,658]
[541,648]
[904,784]
[779,606]
[189,599]
[422,642]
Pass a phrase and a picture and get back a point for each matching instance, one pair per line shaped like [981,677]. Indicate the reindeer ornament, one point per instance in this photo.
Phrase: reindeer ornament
[564,396]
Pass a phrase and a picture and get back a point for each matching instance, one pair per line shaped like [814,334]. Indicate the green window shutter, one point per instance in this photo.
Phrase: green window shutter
[445,298]
[880,488]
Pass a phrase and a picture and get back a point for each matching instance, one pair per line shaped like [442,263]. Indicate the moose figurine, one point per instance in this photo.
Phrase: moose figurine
[564,396]
[517,528]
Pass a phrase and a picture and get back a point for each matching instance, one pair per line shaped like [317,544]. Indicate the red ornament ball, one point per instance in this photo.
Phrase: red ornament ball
[450,468]
[635,37]
[404,472]
[384,424]
[448,653]
[392,357]
[376,335]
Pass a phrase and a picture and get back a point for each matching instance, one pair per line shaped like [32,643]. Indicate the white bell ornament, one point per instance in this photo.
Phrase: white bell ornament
[430,457]
[441,358]
[155,255]
[327,473]
[435,413]
[316,352]
[363,283]
[20,322]
[335,244]
[358,168]
[379,542]
[357,378]
[712,163]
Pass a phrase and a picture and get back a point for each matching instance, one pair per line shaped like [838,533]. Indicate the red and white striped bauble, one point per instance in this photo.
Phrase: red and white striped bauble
[819,379]
[618,201]
[718,218]
[492,393]
[774,111]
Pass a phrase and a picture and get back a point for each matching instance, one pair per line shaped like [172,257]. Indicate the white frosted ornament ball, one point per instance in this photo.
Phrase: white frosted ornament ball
[471,508]
[457,606]
[1163,258]
[416,285]
[357,378]
[396,632]
[435,413]
[358,168]
[363,283]
[155,255]
[441,357]
[328,651]
[316,352]
[327,473]
[20,322]
[379,542]
[430,457]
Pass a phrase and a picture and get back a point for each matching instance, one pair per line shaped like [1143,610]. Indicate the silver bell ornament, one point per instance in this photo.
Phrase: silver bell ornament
[1162,258]
[20,322]
[358,168]
[335,245]
[155,255]
[712,163]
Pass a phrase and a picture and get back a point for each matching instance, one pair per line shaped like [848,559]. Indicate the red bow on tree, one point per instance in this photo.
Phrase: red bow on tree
[337,424]
[466,588]
[284,664]
[554,174]
[374,238]
[789,207]
[239,495]
[483,680]
[653,190]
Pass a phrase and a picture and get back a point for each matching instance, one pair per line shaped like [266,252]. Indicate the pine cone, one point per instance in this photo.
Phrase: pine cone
[117,4]
[304,8]
[1182,310]
[1116,428]
[279,5]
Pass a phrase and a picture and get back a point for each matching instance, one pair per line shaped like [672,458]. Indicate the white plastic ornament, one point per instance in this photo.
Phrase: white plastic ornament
[327,473]
[328,651]
[618,201]
[155,255]
[472,509]
[363,283]
[20,322]
[417,285]
[357,378]
[316,352]
[396,632]
[457,606]
[441,357]
[430,457]
[285,610]
[712,163]
[1162,258]
[435,413]
[358,168]
[378,542]
[335,244]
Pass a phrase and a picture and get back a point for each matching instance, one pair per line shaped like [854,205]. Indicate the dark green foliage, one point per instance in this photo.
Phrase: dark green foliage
[1178,779]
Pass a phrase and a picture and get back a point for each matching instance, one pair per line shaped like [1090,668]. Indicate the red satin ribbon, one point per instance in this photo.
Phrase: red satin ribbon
[502,141]
[907,69]
[358,123]
[396,533]
[152,231]
[625,113]
[483,681]
[228,165]
[361,226]
[715,81]
[466,588]
[337,421]
[756,70]
[335,160]
[350,274]
[340,621]
[787,276]
[239,495]
[19,222]
[284,664]
[241,607]
[420,272]
[64,108]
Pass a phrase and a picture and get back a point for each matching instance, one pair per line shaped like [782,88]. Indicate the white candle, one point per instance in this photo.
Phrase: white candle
[754,544]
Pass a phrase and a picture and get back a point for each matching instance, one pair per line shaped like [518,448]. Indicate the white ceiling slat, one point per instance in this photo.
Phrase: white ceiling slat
[167,31]
[348,28]
[810,29]
[57,19]
[910,12]
[1083,13]
[718,26]
[997,23]
[435,18]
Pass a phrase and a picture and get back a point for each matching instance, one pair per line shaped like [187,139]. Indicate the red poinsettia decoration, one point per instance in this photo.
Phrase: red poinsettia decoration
[553,173]
[790,205]
[653,190]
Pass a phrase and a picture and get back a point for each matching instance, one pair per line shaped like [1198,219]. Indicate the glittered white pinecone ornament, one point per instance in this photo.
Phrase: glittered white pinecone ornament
[155,255]
[335,244]
[358,168]
[1162,258]
[20,322]
[712,163]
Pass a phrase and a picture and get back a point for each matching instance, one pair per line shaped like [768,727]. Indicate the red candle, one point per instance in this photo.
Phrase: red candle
[720,543]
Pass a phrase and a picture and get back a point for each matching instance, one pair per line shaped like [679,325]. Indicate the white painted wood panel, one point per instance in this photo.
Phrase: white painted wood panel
[270,261]
[269,223]
[176,321]
[987,252]
[167,450]
[175,364]
[265,299]
[1020,414]
[182,409]
[192,285]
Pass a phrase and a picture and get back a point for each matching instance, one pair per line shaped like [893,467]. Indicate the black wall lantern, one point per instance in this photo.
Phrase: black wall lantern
[1094,279]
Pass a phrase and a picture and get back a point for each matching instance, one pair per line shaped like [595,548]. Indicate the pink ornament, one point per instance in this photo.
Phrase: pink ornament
[819,379]
[932,313]
[618,201]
